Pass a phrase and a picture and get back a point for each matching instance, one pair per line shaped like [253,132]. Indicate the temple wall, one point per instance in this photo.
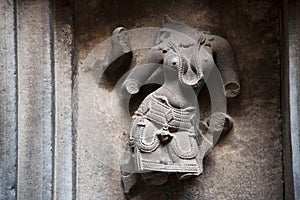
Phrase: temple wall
[63,128]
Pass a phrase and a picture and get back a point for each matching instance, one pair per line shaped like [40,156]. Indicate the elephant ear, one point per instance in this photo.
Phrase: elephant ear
[163,34]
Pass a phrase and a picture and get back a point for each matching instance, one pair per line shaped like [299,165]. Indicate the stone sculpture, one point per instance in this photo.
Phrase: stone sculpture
[166,133]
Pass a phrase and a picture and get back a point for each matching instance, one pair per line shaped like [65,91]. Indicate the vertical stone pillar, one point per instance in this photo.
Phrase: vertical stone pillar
[8,99]
[64,170]
[35,100]
[36,80]
[294,88]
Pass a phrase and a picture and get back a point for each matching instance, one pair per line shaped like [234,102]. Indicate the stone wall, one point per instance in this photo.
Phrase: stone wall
[246,164]
[61,126]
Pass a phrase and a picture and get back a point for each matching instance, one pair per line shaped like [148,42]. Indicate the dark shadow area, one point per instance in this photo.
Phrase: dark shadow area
[137,99]
[173,185]
[118,68]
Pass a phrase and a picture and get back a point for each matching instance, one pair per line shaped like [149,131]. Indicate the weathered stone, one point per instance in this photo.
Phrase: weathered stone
[245,164]
[8,101]
[35,100]
[164,136]
[293,110]
[64,169]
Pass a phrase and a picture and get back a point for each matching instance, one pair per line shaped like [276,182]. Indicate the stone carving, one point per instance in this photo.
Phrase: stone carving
[166,133]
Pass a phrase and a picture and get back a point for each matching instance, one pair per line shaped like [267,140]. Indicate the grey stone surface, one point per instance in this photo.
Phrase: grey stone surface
[35,100]
[294,84]
[93,139]
[286,136]
[64,140]
[246,164]
[8,99]
[36,127]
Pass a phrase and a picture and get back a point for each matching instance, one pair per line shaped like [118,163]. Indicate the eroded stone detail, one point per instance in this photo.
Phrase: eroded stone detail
[166,134]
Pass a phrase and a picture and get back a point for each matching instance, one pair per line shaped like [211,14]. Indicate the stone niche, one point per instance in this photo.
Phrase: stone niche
[246,163]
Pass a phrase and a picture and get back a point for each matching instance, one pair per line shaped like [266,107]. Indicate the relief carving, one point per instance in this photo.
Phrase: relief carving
[166,134]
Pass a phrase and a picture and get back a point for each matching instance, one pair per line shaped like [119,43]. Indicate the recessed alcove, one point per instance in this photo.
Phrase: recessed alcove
[246,163]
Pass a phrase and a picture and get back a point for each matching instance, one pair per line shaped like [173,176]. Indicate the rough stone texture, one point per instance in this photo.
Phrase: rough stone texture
[286,134]
[64,141]
[8,110]
[36,80]
[35,100]
[246,164]
[294,84]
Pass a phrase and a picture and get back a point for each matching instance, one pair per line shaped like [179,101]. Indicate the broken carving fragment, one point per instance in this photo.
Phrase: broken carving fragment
[166,134]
